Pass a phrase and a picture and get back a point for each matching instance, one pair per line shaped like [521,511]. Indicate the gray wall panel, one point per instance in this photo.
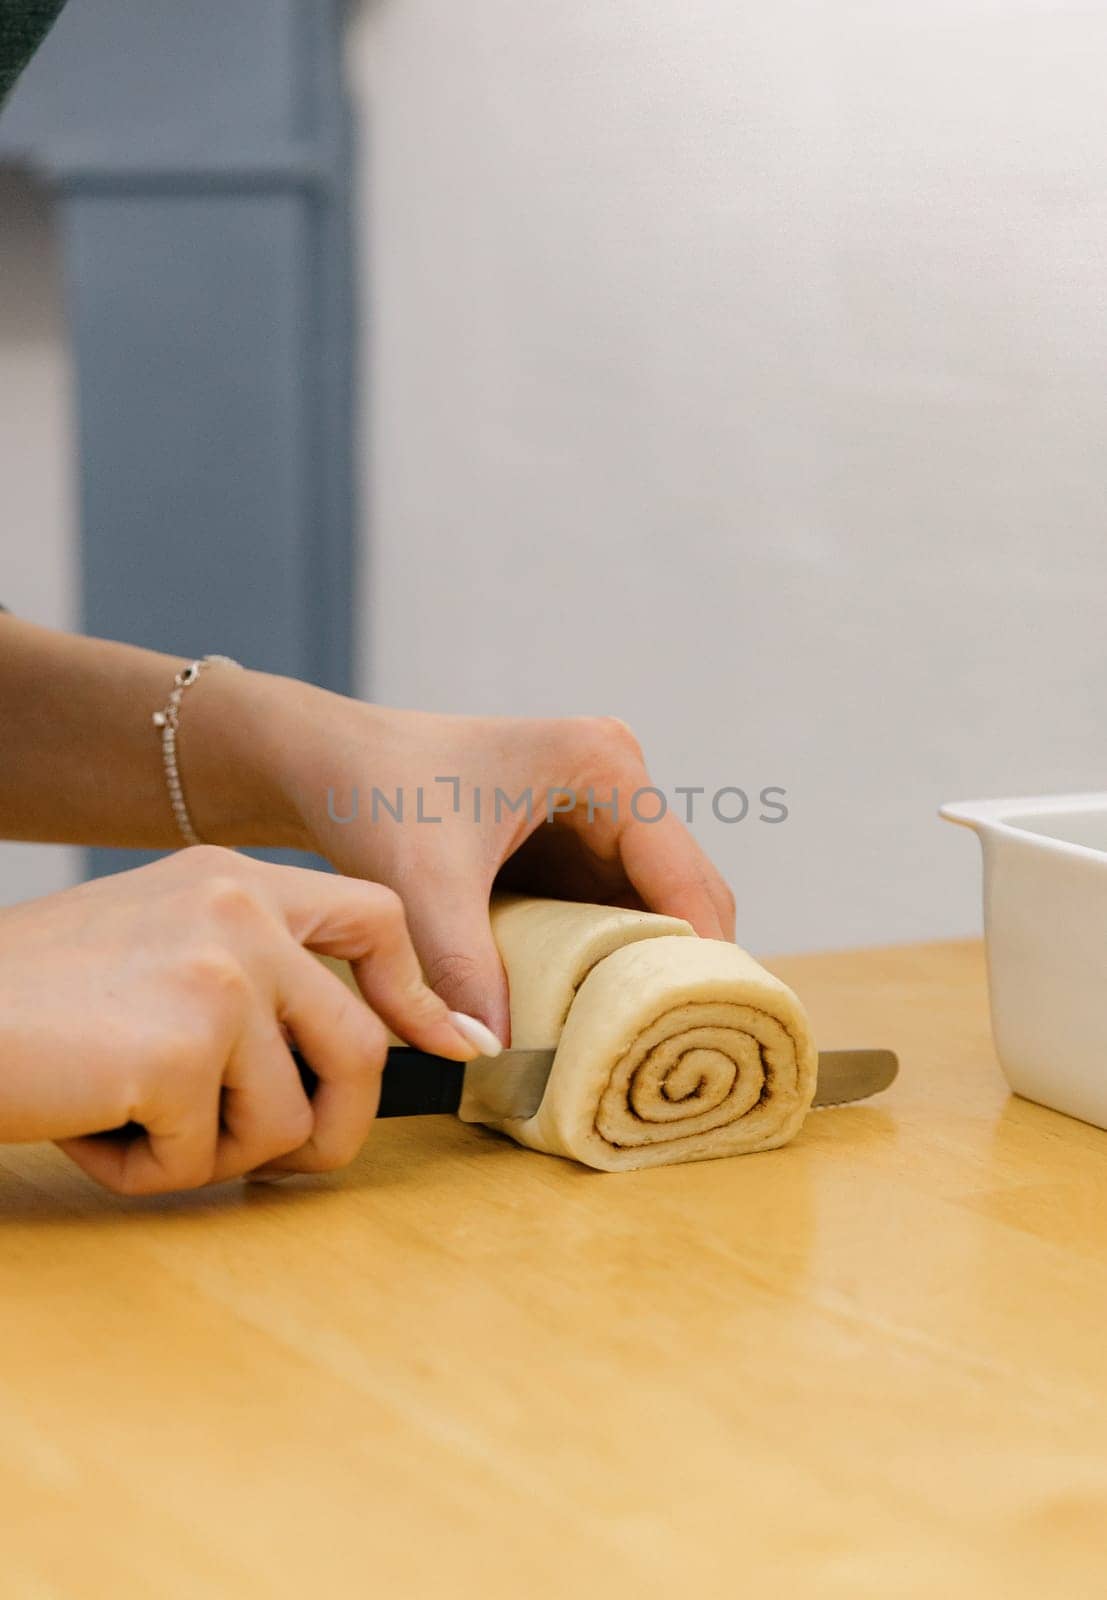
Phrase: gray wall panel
[189,317]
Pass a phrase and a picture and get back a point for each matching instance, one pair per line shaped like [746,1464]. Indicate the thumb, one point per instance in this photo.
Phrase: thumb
[452,935]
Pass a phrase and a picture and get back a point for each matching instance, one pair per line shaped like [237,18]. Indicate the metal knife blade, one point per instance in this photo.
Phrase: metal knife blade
[853,1075]
[512,1084]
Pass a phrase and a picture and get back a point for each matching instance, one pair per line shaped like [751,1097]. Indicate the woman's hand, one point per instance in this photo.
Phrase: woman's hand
[165,997]
[313,750]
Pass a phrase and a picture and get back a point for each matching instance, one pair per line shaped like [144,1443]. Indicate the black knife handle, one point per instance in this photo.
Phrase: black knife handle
[414,1083]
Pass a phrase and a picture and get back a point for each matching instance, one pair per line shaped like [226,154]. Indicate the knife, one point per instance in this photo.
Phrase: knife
[493,1088]
[512,1084]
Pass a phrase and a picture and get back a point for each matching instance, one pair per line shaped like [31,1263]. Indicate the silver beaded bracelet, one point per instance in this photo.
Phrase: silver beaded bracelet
[167,723]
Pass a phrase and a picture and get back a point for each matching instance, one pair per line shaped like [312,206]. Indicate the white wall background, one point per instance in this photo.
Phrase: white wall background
[735,368]
[37,495]
[739,369]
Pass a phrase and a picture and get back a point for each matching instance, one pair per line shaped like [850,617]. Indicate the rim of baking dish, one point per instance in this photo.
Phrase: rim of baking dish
[996,816]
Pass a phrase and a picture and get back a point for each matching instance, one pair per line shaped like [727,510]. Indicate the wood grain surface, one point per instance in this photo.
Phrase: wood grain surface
[873,1363]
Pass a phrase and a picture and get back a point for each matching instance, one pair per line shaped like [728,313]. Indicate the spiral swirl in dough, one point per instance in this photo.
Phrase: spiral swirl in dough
[669,1047]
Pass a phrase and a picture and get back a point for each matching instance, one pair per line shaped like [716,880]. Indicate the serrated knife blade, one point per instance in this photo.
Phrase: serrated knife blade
[847,1075]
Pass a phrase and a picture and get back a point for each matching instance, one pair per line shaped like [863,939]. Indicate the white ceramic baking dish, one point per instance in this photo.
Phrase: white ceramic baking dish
[1045,925]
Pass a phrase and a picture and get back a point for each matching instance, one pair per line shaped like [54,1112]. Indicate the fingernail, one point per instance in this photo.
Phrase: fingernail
[476,1032]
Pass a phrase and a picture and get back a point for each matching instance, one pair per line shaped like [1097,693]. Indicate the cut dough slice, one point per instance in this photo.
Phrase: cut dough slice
[669,1047]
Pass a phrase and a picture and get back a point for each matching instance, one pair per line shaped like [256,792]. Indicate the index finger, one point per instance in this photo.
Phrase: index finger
[364,923]
[674,876]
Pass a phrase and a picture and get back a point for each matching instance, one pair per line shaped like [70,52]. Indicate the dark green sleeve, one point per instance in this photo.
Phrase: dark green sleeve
[23,26]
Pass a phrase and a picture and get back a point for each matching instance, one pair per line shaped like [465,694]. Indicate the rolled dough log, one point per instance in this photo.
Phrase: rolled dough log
[669,1047]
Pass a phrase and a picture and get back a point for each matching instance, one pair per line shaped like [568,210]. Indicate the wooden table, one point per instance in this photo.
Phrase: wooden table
[874,1363]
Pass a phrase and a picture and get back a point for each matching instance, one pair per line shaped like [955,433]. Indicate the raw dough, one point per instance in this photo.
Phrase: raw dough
[669,1047]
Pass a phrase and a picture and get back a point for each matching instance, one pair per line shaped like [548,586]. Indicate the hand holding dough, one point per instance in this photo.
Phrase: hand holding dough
[669,1047]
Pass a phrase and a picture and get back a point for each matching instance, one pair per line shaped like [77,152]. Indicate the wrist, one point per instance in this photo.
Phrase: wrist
[235,728]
